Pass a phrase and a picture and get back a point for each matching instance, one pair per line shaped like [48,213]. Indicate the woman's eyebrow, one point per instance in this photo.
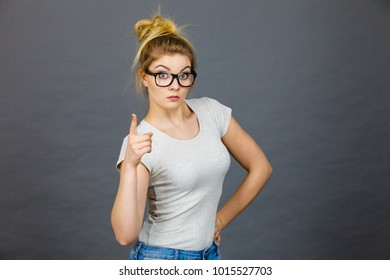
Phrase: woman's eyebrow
[185,68]
[160,65]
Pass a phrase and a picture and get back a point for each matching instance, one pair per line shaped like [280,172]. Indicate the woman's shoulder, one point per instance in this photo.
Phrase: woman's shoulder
[203,101]
[197,101]
[214,111]
[206,103]
[143,126]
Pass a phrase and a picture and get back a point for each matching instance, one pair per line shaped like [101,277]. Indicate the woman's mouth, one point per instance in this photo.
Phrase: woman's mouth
[173,97]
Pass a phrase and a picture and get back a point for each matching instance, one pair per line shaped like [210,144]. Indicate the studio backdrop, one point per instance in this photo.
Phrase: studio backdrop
[308,80]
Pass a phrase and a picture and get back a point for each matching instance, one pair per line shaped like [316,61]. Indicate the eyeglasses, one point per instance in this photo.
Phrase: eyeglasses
[163,79]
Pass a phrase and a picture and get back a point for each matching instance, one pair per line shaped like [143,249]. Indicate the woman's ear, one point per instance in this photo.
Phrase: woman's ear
[142,77]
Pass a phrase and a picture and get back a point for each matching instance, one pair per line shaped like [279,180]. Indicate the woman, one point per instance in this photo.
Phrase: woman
[177,157]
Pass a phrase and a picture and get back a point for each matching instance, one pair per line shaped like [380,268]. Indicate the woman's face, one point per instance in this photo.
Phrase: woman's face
[172,96]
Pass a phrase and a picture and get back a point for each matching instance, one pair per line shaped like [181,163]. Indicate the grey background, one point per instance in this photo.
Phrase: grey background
[309,80]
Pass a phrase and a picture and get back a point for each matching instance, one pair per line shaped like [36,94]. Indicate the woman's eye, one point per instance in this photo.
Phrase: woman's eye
[163,75]
[183,76]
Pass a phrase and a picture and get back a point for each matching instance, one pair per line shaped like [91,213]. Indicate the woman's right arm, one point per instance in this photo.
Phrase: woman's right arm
[129,206]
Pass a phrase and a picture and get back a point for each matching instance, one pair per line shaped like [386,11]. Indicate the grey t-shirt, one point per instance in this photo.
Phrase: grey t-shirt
[186,178]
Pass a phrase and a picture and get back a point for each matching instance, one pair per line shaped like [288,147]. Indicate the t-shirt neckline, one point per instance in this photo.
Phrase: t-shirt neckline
[176,139]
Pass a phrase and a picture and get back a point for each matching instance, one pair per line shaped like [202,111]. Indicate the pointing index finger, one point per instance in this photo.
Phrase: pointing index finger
[133,125]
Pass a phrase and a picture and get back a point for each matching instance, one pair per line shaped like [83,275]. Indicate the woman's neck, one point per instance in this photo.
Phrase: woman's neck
[166,119]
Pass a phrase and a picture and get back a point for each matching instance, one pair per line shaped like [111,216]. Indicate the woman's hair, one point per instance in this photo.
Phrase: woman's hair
[156,37]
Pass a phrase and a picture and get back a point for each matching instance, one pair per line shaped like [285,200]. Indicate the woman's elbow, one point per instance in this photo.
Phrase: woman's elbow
[269,169]
[125,235]
[262,168]
[125,240]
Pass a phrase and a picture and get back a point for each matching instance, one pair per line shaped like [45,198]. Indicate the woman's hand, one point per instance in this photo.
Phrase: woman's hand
[137,145]
[217,230]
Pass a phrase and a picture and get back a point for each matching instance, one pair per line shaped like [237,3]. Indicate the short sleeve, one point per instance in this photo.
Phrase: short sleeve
[222,115]
[146,158]
[122,153]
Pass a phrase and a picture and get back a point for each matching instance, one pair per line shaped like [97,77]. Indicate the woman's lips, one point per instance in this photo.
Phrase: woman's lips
[173,98]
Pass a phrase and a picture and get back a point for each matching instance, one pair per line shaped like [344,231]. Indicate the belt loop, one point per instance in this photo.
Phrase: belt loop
[204,253]
[176,254]
[137,248]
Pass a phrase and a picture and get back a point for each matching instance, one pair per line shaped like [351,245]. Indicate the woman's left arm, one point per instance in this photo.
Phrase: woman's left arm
[250,156]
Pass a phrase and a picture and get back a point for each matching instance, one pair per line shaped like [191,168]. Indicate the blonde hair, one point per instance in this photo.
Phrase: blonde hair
[158,36]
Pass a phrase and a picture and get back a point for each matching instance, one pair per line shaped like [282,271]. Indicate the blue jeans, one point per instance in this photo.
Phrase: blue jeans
[146,252]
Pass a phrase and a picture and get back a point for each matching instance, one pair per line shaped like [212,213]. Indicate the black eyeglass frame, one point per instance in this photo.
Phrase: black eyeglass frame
[174,76]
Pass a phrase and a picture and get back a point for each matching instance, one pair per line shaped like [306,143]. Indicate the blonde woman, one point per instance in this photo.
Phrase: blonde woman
[177,157]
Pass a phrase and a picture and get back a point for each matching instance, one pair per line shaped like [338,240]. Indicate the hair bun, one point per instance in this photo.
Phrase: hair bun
[157,25]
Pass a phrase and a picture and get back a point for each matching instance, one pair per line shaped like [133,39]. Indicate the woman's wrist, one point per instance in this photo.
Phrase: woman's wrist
[128,165]
[219,222]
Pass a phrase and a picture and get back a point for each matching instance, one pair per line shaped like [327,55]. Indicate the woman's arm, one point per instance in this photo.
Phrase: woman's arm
[129,206]
[250,156]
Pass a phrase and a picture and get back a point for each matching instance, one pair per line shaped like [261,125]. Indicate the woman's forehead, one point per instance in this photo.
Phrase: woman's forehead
[171,62]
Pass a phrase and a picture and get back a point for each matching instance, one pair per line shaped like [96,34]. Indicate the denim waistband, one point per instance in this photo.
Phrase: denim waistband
[174,254]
